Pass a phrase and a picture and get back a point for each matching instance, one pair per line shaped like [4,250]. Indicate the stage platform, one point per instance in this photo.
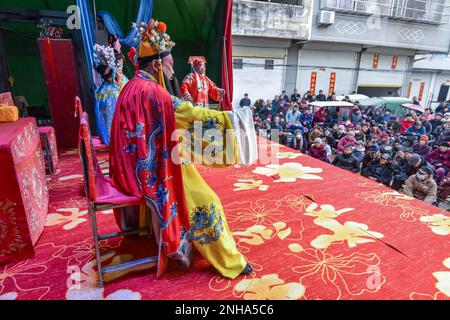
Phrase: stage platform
[310,230]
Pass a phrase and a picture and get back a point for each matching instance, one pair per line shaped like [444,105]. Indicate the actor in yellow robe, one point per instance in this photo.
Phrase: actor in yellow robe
[145,162]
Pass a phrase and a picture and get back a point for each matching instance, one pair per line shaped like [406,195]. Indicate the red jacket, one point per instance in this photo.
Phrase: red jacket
[436,156]
[343,142]
[318,152]
[406,125]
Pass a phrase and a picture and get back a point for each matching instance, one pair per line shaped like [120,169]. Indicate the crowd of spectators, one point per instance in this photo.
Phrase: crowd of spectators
[409,153]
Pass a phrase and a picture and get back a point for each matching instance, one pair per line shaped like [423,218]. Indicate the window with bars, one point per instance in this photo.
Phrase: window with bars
[268,65]
[434,11]
[238,64]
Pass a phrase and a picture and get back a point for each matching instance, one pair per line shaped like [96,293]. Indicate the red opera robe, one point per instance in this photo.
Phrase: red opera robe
[199,88]
[140,163]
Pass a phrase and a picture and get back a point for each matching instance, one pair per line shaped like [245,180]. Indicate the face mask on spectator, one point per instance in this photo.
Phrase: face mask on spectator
[421,177]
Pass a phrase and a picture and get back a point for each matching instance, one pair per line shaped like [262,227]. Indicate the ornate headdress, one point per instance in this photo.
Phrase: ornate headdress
[105,56]
[154,42]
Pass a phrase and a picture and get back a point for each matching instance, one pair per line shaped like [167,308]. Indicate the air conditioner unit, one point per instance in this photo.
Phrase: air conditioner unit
[326,18]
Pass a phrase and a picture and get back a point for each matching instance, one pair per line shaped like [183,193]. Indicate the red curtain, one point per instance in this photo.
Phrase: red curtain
[227,58]
[60,75]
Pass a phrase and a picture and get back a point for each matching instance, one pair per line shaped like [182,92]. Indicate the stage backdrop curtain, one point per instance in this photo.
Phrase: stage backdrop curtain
[111,24]
[87,32]
[227,57]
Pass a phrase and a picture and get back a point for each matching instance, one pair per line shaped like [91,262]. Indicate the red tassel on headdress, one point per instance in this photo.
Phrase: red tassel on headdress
[131,54]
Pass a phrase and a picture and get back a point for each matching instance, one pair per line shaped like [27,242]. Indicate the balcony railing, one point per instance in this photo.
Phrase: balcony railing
[429,11]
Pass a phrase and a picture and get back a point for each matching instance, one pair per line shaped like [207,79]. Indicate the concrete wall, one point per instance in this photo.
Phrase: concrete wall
[263,19]
[256,81]
[325,63]
[373,30]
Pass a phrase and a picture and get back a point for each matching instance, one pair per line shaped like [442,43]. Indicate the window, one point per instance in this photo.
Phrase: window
[268,65]
[238,64]
[431,11]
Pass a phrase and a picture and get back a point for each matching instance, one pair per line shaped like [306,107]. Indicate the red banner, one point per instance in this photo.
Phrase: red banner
[312,87]
[332,83]
[422,89]
[376,59]
[408,92]
[394,62]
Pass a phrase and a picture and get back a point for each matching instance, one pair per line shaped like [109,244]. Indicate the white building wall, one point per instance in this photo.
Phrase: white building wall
[325,63]
[383,75]
[416,83]
[256,81]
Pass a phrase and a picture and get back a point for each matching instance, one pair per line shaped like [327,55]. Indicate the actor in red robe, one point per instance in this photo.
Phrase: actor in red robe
[197,88]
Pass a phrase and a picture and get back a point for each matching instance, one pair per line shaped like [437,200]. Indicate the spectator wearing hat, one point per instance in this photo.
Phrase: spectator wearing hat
[421,186]
[421,147]
[440,160]
[442,133]
[339,132]
[359,151]
[416,130]
[381,169]
[347,160]
[406,123]
[414,162]
[384,140]
[373,153]
[318,150]
[349,139]
[356,116]
[447,116]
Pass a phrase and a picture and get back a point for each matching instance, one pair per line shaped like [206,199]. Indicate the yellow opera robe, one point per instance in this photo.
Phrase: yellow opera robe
[210,233]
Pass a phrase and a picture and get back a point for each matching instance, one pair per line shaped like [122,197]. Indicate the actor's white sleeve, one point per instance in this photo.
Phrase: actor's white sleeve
[244,129]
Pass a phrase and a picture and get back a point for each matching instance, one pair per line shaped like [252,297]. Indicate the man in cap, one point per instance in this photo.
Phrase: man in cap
[196,87]
[380,169]
[421,185]
[372,154]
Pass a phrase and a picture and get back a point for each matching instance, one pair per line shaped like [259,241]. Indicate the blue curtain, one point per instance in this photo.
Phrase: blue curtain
[87,33]
[144,15]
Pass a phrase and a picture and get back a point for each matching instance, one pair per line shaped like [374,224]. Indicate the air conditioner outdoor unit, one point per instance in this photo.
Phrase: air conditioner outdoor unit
[326,18]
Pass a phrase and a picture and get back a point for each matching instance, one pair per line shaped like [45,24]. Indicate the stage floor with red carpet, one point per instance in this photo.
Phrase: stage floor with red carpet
[310,230]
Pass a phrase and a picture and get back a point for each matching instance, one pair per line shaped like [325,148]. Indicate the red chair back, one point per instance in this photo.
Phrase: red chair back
[88,157]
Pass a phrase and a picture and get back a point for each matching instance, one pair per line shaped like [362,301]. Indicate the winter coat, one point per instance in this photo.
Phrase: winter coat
[383,173]
[343,142]
[422,190]
[436,156]
[421,149]
[318,152]
[347,162]
[417,132]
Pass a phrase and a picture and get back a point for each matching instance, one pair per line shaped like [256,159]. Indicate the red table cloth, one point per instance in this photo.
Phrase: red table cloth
[23,189]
